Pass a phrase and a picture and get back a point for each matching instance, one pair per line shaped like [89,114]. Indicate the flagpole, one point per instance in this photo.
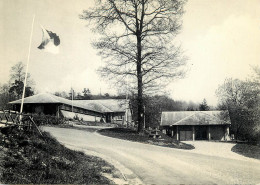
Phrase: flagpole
[28,59]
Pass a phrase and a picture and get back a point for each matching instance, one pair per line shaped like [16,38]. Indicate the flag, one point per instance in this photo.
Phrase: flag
[50,41]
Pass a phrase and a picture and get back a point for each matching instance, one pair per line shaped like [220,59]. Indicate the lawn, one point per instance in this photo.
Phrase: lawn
[132,135]
[28,158]
[252,151]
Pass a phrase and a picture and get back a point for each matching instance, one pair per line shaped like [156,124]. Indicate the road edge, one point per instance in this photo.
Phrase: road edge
[128,175]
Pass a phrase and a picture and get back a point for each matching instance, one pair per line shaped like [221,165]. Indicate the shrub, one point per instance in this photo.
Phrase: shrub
[46,120]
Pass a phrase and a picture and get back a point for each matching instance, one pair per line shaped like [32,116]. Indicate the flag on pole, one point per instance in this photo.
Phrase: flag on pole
[50,41]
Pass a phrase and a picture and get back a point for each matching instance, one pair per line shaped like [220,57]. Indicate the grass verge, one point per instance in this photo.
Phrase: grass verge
[132,135]
[252,151]
[28,158]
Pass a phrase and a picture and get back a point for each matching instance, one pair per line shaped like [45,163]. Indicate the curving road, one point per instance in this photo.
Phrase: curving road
[161,165]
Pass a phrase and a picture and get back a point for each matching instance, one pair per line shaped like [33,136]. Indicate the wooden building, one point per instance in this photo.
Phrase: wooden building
[108,110]
[196,125]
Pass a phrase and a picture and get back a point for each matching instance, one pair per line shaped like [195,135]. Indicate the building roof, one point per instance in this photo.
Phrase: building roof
[42,98]
[195,118]
[106,105]
[102,106]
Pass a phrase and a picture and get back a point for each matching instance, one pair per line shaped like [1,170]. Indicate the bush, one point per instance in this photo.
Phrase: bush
[46,120]
[76,117]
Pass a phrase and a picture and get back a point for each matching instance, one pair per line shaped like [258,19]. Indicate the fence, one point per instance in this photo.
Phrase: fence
[13,118]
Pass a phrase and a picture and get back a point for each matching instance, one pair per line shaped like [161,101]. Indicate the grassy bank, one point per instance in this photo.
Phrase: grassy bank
[252,151]
[132,135]
[26,157]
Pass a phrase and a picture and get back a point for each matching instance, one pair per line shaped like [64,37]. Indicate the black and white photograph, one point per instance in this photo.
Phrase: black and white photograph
[130,92]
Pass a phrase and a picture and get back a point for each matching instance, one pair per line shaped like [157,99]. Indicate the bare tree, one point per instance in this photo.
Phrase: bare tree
[17,76]
[17,72]
[136,41]
[242,100]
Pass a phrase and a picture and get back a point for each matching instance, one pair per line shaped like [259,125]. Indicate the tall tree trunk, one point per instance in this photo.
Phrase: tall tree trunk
[140,85]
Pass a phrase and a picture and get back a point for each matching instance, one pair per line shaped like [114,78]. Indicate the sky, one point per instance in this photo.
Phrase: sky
[221,39]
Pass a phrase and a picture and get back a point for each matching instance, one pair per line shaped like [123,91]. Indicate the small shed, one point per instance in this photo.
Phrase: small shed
[196,125]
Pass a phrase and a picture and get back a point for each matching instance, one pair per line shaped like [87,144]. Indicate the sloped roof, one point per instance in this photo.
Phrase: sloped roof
[93,105]
[42,98]
[195,118]
[50,98]
[107,105]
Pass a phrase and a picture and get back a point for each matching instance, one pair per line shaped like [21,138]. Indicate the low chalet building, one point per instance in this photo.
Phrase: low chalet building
[107,110]
[196,125]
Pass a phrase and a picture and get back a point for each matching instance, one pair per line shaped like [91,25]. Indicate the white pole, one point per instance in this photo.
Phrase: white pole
[72,94]
[126,104]
[28,59]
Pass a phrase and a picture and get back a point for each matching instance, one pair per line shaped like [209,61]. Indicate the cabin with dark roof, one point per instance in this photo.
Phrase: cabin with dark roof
[108,110]
[196,125]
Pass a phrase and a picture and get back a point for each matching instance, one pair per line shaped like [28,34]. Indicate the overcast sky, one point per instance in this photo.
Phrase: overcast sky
[221,38]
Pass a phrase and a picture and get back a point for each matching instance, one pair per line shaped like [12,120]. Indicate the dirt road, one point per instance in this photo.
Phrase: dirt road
[160,165]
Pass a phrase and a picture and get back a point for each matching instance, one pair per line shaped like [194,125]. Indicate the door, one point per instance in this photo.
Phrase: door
[185,135]
[108,118]
[201,133]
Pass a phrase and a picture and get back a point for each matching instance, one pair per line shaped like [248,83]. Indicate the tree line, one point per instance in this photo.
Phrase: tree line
[154,105]
[86,94]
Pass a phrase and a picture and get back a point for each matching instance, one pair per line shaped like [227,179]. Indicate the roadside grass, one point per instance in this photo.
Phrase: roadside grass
[252,151]
[91,123]
[132,135]
[76,126]
[28,158]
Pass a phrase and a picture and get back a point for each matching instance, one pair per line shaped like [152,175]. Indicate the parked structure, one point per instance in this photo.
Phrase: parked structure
[196,125]
[108,110]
